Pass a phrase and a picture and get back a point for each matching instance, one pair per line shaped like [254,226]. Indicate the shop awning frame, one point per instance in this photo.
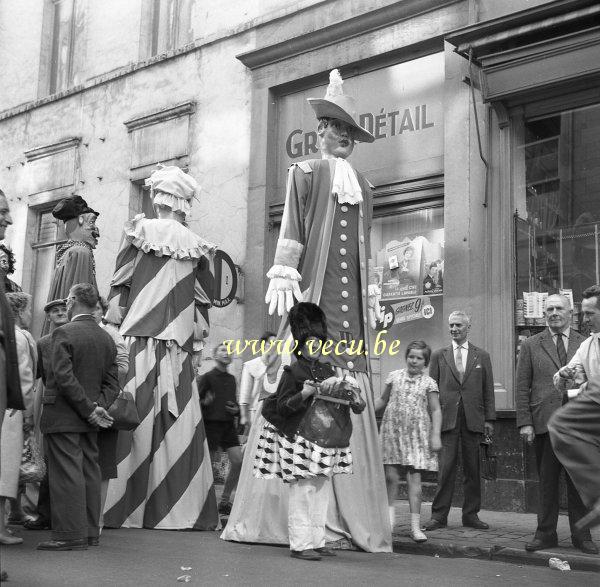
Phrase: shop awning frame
[542,49]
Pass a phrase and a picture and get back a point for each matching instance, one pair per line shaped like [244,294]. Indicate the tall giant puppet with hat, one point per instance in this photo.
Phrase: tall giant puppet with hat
[321,257]
[74,259]
[160,294]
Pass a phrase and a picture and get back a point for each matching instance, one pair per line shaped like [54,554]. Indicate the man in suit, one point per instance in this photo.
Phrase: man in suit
[81,384]
[541,355]
[463,373]
[574,429]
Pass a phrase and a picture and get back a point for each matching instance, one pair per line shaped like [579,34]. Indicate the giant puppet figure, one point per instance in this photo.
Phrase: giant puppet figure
[161,289]
[74,259]
[321,257]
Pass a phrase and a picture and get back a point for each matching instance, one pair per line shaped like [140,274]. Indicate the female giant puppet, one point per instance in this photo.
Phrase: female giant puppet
[321,257]
[159,287]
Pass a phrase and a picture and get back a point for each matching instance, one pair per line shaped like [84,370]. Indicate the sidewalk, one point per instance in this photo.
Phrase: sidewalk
[504,541]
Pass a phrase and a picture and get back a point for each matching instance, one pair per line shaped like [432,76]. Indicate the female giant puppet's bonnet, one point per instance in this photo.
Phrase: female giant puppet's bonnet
[171,187]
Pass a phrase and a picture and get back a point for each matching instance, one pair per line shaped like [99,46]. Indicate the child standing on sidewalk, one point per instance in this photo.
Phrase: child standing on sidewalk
[303,451]
[217,389]
[410,430]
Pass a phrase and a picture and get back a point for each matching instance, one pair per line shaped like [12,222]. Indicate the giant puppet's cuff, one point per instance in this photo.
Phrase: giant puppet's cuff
[285,274]
[287,254]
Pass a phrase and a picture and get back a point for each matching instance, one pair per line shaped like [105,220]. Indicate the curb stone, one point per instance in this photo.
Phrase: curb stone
[578,562]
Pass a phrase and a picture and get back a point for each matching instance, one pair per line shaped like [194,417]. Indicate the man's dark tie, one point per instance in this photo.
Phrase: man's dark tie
[459,363]
[560,349]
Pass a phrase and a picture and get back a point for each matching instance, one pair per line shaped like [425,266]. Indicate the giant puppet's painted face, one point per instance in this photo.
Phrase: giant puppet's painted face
[336,139]
[83,228]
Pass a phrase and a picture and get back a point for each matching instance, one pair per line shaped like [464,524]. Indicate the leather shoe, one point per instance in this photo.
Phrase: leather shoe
[475,523]
[93,541]
[39,524]
[8,540]
[324,551]
[307,555]
[79,544]
[587,546]
[540,544]
[434,524]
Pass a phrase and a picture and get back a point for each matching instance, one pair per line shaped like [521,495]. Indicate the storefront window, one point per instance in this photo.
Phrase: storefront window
[407,252]
[558,211]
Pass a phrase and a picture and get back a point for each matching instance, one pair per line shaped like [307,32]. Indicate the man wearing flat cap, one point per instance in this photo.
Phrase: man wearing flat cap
[75,259]
[322,257]
[56,315]
[160,295]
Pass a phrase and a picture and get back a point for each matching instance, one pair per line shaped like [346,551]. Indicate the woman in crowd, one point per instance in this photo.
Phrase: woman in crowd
[409,436]
[17,422]
[252,374]
[7,264]
[107,439]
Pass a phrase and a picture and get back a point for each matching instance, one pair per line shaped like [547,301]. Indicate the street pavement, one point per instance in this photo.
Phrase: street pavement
[152,557]
[504,541]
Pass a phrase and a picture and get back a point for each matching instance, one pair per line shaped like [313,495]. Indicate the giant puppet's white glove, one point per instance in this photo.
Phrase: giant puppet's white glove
[281,294]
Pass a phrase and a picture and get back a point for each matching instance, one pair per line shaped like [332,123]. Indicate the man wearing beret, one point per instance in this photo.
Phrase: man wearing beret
[75,259]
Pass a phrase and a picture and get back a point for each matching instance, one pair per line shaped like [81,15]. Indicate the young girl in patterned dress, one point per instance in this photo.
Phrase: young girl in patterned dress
[410,430]
[305,465]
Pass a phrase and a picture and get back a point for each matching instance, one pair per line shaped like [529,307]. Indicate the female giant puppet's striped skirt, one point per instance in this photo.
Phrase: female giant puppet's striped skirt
[164,474]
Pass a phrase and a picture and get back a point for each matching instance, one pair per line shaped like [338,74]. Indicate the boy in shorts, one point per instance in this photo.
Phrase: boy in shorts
[217,389]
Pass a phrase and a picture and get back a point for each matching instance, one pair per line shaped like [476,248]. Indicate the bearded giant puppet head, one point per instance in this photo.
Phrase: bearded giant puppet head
[79,219]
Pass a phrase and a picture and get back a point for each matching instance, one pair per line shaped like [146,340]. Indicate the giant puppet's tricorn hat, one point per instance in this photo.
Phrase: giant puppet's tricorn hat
[72,207]
[306,320]
[338,105]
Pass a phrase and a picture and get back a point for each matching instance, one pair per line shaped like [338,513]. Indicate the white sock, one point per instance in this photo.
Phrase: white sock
[392,515]
[415,526]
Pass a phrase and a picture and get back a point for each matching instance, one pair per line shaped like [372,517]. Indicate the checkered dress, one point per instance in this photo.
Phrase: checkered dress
[276,456]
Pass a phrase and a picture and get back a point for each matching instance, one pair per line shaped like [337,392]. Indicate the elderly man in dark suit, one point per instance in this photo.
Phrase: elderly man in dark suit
[81,384]
[463,373]
[541,355]
[56,314]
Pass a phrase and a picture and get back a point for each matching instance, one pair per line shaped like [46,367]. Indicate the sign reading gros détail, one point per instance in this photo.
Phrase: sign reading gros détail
[400,105]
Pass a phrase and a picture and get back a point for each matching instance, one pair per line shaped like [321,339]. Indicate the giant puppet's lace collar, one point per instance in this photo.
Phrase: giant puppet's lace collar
[345,184]
[166,237]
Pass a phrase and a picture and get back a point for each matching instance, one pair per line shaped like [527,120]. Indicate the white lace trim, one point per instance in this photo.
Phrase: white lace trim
[345,184]
[284,272]
[176,204]
[166,237]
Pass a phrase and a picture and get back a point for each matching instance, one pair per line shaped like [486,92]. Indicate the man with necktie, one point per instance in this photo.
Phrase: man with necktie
[541,355]
[464,376]
[574,428]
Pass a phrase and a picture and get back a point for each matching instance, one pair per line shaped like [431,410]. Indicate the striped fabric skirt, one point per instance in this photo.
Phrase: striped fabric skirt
[276,456]
[164,474]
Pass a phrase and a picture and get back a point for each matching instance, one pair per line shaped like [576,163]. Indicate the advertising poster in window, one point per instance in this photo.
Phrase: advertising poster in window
[408,272]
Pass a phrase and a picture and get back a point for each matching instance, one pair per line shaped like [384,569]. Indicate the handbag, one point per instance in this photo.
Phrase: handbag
[327,420]
[489,461]
[124,412]
[33,467]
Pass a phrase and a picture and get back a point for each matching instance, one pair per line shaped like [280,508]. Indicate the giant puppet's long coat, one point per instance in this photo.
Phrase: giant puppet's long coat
[164,472]
[326,242]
